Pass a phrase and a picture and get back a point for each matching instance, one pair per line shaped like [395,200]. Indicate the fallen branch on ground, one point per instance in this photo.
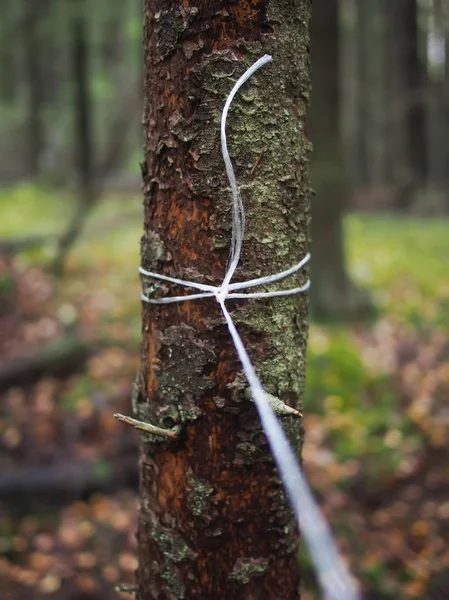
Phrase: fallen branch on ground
[18,244]
[58,359]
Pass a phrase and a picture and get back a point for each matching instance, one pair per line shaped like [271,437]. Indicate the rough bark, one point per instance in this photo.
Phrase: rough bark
[214,522]
[332,293]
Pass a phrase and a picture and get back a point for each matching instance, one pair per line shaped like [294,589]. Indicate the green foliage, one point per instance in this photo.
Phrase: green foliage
[6,285]
[404,260]
[106,255]
[334,369]
[30,209]
[80,388]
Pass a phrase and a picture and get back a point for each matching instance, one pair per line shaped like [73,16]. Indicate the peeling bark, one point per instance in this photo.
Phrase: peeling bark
[214,521]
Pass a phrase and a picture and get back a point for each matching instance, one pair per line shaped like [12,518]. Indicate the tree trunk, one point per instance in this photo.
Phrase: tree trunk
[82,135]
[82,100]
[33,68]
[362,18]
[9,65]
[332,294]
[416,90]
[214,522]
[438,112]
[371,76]
[407,93]
[349,84]
[445,107]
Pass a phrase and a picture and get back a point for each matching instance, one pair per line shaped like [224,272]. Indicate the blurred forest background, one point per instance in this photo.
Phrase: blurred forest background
[376,405]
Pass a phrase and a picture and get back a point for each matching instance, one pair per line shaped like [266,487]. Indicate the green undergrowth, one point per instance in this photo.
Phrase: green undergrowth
[402,261]
[105,259]
[27,209]
[354,371]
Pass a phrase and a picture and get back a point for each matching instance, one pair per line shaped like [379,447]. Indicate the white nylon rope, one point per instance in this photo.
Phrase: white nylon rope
[334,578]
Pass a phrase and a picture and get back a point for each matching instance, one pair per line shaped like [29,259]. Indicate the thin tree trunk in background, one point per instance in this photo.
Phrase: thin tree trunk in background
[52,55]
[443,93]
[445,149]
[9,69]
[83,143]
[350,123]
[57,78]
[371,75]
[332,294]
[214,523]
[126,79]
[374,94]
[417,91]
[362,10]
[438,120]
[112,47]
[407,96]
[33,70]
[396,43]
[82,102]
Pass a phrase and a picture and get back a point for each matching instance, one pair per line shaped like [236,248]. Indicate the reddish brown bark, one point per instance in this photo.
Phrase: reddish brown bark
[214,521]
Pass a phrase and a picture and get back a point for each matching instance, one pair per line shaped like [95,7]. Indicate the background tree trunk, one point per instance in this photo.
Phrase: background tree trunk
[10,71]
[406,79]
[332,294]
[32,21]
[214,522]
[370,71]
[417,92]
[362,19]
[83,142]
[438,113]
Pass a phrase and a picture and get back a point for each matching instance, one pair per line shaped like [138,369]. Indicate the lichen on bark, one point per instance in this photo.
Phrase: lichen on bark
[245,569]
[199,494]
[216,490]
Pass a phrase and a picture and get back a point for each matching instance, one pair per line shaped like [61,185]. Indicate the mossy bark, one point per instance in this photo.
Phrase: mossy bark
[214,522]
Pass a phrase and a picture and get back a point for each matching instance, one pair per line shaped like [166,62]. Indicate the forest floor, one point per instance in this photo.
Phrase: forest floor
[376,407]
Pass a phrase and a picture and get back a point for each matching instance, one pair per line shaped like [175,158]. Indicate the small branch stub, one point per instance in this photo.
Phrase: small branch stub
[258,159]
[128,588]
[279,407]
[171,434]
